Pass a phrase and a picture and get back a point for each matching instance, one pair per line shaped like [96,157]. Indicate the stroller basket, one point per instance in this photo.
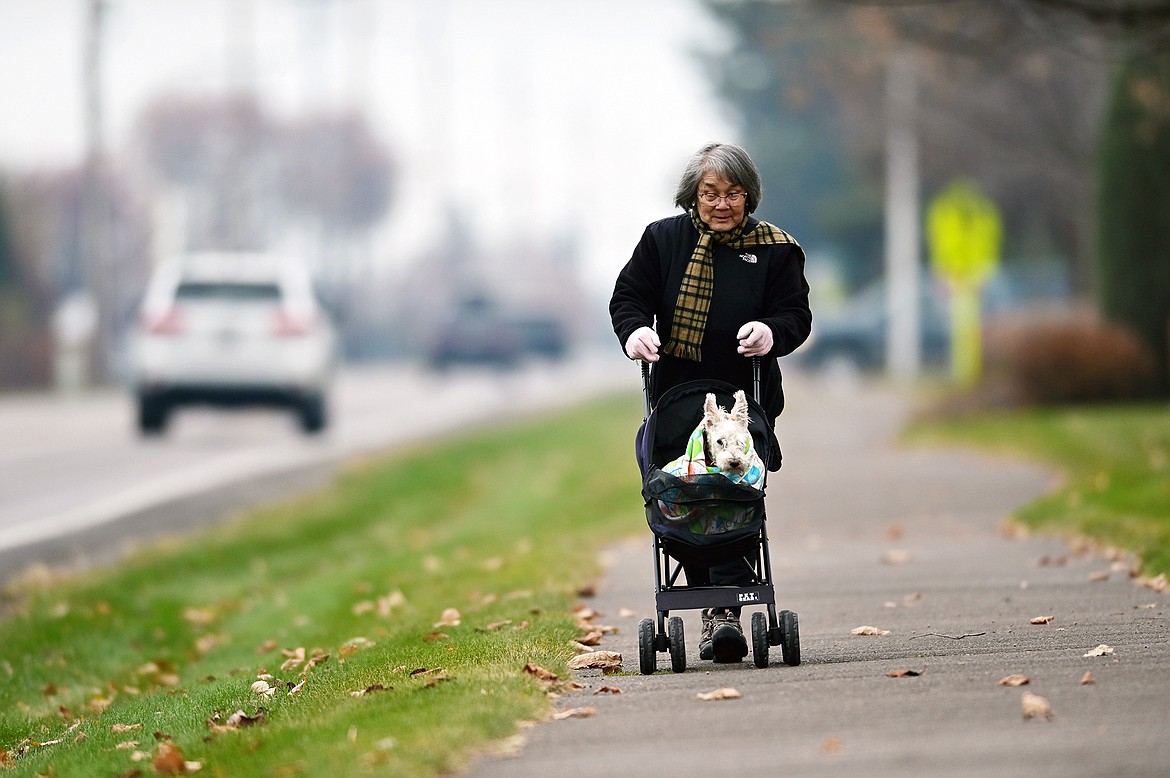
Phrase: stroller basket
[700,509]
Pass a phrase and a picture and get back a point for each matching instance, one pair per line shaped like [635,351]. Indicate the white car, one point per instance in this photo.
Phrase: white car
[232,329]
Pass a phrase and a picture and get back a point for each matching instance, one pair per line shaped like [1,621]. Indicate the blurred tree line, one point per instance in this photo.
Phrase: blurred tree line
[206,173]
[1060,109]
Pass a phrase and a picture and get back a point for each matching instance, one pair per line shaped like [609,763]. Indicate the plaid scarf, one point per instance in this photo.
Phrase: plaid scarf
[694,296]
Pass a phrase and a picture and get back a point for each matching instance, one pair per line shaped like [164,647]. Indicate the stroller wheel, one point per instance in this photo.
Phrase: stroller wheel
[790,638]
[647,660]
[678,644]
[760,639]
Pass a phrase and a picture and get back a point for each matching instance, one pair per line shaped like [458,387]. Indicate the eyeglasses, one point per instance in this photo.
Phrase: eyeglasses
[732,199]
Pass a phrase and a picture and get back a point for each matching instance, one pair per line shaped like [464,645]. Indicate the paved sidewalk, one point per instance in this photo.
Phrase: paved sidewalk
[867,533]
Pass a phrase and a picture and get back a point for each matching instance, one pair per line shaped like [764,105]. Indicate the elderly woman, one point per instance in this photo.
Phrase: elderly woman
[703,291]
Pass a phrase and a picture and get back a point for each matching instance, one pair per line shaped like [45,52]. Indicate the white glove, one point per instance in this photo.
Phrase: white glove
[643,344]
[755,339]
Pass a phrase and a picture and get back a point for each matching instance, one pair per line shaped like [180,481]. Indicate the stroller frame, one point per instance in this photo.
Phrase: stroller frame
[665,633]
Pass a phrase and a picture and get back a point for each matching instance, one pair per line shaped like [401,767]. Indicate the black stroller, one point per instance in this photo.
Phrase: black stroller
[730,527]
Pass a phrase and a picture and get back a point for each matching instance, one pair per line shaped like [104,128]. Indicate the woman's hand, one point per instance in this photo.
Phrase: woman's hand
[755,339]
[643,344]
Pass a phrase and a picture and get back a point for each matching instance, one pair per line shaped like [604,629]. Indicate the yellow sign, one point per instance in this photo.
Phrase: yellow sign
[964,231]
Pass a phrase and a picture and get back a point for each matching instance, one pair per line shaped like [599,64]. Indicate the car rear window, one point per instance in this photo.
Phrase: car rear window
[204,290]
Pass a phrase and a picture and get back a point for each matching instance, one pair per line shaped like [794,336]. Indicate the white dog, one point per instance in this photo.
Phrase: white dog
[722,444]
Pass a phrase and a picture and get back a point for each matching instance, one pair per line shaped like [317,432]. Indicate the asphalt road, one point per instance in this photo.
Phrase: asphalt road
[865,532]
[78,486]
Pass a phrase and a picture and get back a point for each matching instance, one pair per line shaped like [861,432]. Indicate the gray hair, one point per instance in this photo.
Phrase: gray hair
[729,162]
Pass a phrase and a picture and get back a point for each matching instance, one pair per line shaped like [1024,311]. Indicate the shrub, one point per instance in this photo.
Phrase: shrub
[1073,359]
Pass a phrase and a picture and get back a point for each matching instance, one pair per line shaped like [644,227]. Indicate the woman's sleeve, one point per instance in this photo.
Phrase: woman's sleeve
[789,316]
[637,290]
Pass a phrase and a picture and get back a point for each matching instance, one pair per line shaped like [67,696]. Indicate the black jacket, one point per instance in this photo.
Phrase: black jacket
[763,283]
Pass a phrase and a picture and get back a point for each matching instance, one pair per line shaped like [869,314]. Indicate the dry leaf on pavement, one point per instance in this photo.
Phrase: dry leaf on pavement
[1101,650]
[904,673]
[726,693]
[1041,620]
[868,630]
[1015,680]
[1087,679]
[603,660]
[575,713]
[1035,706]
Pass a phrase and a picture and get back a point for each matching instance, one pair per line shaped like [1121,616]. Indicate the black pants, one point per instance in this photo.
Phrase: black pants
[733,573]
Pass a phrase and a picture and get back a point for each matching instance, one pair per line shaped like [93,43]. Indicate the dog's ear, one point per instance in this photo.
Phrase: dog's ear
[711,411]
[739,411]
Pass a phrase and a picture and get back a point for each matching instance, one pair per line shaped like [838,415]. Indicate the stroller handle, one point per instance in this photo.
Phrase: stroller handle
[756,364]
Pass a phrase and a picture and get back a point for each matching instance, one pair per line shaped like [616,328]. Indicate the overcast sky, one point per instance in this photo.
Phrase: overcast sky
[537,117]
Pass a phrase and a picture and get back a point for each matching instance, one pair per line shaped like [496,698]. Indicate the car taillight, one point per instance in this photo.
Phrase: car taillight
[286,325]
[168,323]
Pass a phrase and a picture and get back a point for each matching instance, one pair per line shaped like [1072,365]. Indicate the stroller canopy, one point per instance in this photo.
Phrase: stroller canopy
[679,411]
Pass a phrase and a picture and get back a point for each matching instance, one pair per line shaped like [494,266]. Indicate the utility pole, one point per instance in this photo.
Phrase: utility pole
[98,270]
[903,323]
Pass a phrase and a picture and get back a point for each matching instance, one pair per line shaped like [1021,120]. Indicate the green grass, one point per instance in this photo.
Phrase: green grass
[503,525]
[1116,466]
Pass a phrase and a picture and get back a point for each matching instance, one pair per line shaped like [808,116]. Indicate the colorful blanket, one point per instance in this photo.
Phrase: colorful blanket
[694,461]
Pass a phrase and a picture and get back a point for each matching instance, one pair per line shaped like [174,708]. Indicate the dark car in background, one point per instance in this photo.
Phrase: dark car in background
[854,336]
[481,332]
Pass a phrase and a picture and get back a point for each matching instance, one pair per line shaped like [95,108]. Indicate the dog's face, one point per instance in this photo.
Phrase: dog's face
[726,434]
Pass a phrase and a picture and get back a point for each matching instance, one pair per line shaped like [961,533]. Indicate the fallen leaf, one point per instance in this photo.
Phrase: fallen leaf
[575,713]
[626,613]
[604,660]
[867,630]
[1158,583]
[1087,679]
[895,557]
[1041,619]
[353,645]
[1100,575]
[125,727]
[449,618]
[726,693]
[199,616]
[1015,680]
[296,657]
[1101,650]
[376,687]
[262,687]
[127,745]
[904,673]
[494,626]
[1034,706]
[588,590]
[363,607]
[541,674]
[237,720]
[266,646]
[168,760]
[431,636]
[296,689]
[608,690]
[592,639]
